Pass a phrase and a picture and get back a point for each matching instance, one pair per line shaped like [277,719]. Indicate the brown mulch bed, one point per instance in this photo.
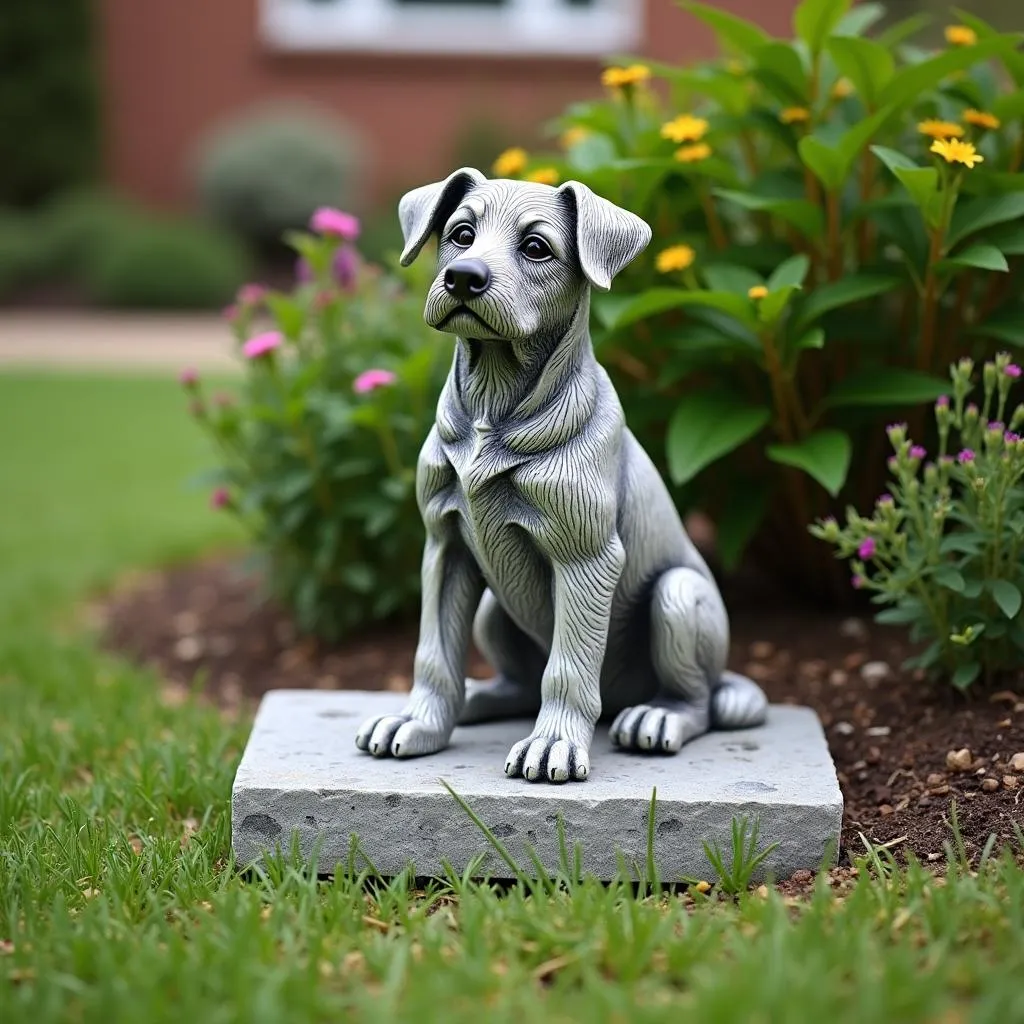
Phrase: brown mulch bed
[897,741]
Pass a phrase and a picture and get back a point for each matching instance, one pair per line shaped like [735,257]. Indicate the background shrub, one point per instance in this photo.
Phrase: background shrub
[318,455]
[816,264]
[268,170]
[20,256]
[48,98]
[153,263]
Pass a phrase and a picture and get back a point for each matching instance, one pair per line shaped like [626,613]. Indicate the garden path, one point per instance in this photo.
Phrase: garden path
[117,342]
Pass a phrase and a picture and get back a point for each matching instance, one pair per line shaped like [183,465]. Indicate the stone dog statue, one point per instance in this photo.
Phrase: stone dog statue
[549,533]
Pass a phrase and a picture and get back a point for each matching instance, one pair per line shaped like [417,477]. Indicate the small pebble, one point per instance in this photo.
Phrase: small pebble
[936,779]
[875,672]
[855,660]
[1018,708]
[939,790]
[885,810]
[934,856]
[1017,762]
[879,730]
[703,886]
[873,756]
[1011,781]
[762,650]
[802,876]
[853,629]
[188,648]
[989,785]
[844,728]
[959,760]
[838,678]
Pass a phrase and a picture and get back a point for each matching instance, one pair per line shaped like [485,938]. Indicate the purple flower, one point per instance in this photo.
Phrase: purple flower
[1010,437]
[370,380]
[965,456]
[328,221]
[972,409]
[189,377]
[866,549]
[1013,370]
[857,582]
[942,401]
[885,499]
[917,452]
[344,268]
[262,344]
[995,425]
[220,498]
[893,462]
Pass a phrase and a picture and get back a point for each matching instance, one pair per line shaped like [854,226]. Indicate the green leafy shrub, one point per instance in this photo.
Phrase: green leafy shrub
[318,454]
[48,98]
[20,256]
[943,548]
[156,263]
[836,219]
[267,171]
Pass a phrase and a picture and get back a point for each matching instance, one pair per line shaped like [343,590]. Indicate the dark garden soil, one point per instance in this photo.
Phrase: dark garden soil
[904,749]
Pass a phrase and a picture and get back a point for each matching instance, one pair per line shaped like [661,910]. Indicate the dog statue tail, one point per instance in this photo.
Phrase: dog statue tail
[737,703]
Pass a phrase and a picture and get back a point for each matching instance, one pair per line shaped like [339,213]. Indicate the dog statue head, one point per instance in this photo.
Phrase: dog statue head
[515,258]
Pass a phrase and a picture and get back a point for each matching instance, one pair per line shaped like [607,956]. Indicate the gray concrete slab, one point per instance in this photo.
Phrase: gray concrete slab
[302,776]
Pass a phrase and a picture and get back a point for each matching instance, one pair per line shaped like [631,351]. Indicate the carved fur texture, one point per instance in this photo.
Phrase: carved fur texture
[550,536]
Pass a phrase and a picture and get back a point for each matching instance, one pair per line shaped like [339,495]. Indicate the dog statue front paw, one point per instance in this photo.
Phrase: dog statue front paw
[549,758]
[399,736]
[652,729]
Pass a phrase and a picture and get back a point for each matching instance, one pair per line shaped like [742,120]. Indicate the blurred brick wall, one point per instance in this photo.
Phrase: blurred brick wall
[171,68]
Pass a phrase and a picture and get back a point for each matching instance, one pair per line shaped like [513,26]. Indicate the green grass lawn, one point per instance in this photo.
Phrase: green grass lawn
[118,899]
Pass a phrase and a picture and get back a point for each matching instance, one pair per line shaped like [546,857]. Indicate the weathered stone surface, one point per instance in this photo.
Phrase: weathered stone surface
[302,775]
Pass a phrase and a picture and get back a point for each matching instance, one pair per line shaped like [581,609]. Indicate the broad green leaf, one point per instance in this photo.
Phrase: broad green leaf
[907,84]
[859,19]
[704,427]
[779,69]
[865,63]
[815,20]
[771,307]
[737,523]
[738,33]
[903,614]
[896,34]
[803,215]
[922,183]
[287,313]
[661,300]
[825,162]
[847,290]
[824,456]
[984,212]
[1009,240]
[728,277]
[950,578]
[1012,60]
[1007,327]
[791,272]
[886,387]
[966,674]
[593,151]
[854,139]
[1007,596]
[984,257]
[814,338]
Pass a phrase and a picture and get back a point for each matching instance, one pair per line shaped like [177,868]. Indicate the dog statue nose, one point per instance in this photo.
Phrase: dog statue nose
[465,279]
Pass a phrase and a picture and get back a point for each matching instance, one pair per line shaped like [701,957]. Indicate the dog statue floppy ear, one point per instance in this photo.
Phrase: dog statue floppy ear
[424,210]
[608,237]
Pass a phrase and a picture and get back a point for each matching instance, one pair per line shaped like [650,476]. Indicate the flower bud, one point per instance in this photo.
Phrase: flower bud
[897,433]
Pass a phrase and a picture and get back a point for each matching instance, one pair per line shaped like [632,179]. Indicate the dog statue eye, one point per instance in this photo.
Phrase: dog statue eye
[535,248]
[462,235]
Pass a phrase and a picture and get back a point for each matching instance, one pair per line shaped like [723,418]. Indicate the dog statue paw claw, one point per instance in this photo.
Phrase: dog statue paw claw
[399,736]
[548,759]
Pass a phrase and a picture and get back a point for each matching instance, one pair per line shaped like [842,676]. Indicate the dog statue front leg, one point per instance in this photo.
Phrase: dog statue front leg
[452,588]
[558,749]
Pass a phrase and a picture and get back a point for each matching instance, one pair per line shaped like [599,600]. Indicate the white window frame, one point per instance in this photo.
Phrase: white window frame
[517,28]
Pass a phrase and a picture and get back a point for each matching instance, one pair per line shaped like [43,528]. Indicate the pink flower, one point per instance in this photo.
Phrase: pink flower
[966,456]
[231,313]
[1010,437]
[1013,370]
[917,452]
[328,221]
[251,294]
[370,380]
[189,377]
[262,344]
[857,582]
[942,401]
[885,499]
[866,549]
[220,498]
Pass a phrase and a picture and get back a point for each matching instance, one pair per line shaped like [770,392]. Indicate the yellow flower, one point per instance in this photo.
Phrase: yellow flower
[511,162]
[953,151]
[620,78]
[571,136]
[940,129]
[693,154]
[675,257]
[543,176]
[982,119]
[757,292]
[960,35]
[794,115]
[842,89]
[684,128]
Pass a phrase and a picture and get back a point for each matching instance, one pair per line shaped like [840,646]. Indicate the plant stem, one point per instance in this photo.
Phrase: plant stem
[715,228]
[835,249]
[930,302]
